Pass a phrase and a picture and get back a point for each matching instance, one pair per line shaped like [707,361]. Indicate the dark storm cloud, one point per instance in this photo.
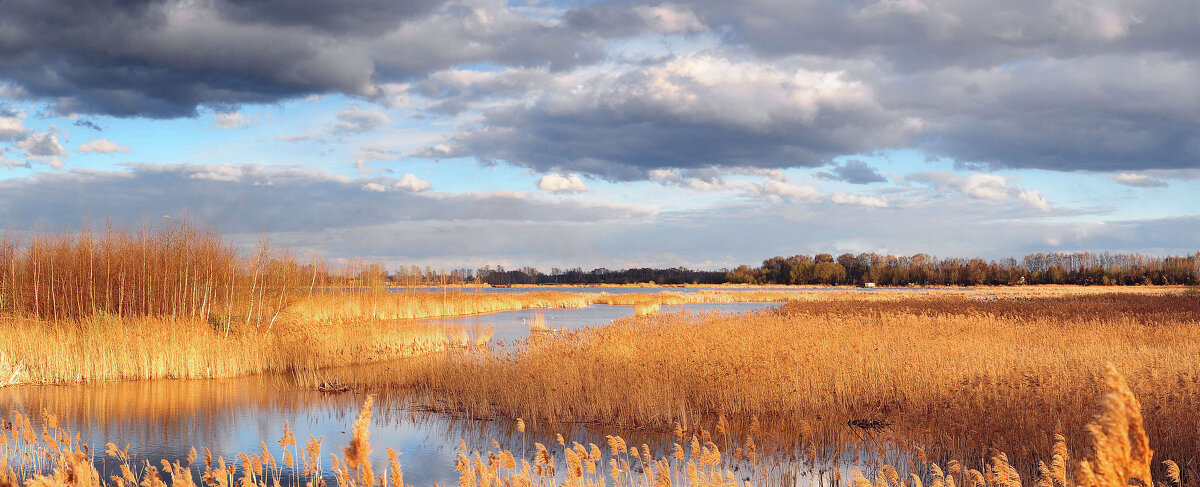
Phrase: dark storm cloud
[166,59]
[853,171]
[924,34]
[335,17]
[250,198]
[1058,85]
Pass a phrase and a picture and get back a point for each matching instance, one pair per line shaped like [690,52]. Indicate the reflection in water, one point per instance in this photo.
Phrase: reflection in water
[165,419]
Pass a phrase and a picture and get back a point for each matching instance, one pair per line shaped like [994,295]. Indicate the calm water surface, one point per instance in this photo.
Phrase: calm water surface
[164,419]
[513,325]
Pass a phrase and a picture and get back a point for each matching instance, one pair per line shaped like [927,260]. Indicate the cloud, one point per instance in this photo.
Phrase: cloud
[229,173]
[858,199]
[777,191]
[169,59]
[7,163]
[43,147]
[248,198]
[616,90]
[230,120]
[668,18]
[1034,198]
[103,146]
[854,172]
[980,186]
[87,124]
[408,182]
[687,112]
[1137,180]
[912,34]
[559,184]
[12,128]
[700,179]
[356,119]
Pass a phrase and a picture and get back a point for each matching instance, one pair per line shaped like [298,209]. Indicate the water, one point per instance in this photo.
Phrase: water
[638,289]
[165,419]
[514,325]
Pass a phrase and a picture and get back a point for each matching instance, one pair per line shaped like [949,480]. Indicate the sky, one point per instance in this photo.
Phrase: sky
[705,134]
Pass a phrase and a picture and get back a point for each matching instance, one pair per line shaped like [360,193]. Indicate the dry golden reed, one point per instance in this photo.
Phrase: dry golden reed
[950,374]
[1116,457]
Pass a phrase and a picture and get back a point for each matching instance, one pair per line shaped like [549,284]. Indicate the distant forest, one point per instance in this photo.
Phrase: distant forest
[849,269]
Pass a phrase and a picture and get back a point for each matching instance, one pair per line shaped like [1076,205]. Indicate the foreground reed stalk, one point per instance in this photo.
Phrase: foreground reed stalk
[1118,454]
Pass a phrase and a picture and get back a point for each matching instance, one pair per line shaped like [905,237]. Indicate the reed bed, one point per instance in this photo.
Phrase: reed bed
[1118,453]
[338,307]
[109,348]
[952,374]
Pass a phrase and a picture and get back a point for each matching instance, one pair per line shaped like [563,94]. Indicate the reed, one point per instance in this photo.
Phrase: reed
[109,348]
[952,374]
[1117,455]
[645,308]
[338,307]
[537,324]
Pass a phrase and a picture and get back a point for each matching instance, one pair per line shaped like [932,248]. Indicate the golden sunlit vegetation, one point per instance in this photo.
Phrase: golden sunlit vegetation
[101,348]
[175,303]
[1118,453]
[953,374]
[178,302]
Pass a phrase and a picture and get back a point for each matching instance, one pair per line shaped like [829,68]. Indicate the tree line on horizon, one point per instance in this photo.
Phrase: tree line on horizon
[1081,268]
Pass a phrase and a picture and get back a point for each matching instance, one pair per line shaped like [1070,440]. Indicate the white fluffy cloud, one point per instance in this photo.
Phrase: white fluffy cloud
[557,183]
[11,128]
[858,199]
[104,146]
[44,147]
[409,182]
[981,186]
[779,191]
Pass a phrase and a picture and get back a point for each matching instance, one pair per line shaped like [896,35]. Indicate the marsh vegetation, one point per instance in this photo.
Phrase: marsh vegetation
[890,383]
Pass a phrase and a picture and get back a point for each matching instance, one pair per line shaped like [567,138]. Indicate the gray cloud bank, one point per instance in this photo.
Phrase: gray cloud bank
[251,198]
[394,220]
[1063,85]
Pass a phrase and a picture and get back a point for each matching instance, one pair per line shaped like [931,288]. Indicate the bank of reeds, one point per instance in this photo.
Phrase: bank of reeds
[1117,453]
[952,374]
[175,271]
[109,348]
[179,302]
[337,307]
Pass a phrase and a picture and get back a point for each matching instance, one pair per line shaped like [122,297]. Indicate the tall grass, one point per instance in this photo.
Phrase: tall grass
[106,348]
[950,374]
[175,271]
[1117,454]
[339,307]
